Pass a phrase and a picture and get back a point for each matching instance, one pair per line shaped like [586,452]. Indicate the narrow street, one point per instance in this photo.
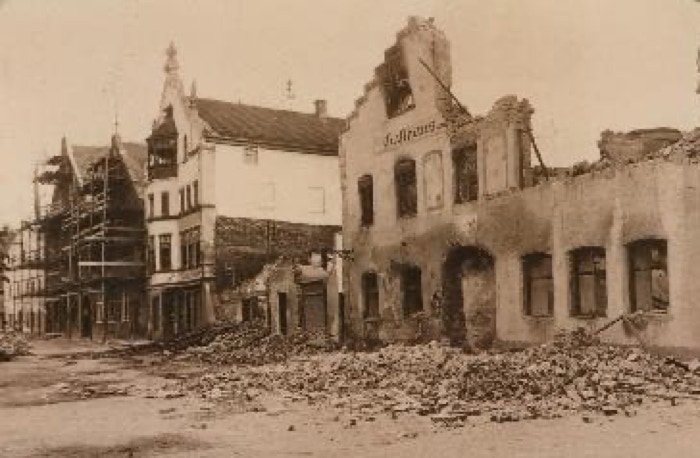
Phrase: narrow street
[61,403]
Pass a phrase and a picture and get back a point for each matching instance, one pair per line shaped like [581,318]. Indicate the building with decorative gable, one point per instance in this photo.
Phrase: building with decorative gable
[456,234]
[231,188]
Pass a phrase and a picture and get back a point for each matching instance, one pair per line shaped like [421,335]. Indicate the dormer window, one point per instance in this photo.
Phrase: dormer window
[250,154]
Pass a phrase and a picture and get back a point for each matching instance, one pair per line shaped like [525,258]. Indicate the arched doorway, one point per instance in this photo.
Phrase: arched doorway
[469,297]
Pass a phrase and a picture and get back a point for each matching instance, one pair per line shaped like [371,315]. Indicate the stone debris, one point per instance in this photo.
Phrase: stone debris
[686,148]
[574,373]
[81,390]
[252,344]
[227,343]
[13,344]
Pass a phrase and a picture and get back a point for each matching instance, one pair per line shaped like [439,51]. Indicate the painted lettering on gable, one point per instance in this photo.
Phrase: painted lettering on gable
[410,133]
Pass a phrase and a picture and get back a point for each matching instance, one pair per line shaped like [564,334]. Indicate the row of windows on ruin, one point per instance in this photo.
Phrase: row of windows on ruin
[189,201]
[160,258]
[466,185]
[648,285]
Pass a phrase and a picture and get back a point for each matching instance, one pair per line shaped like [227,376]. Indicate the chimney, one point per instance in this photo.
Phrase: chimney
[321,108]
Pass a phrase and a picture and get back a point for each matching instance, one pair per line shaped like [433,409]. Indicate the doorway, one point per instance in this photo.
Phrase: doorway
[469,291]
[282,312]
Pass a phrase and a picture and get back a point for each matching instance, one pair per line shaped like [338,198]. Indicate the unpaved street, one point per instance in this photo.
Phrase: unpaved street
[52,405]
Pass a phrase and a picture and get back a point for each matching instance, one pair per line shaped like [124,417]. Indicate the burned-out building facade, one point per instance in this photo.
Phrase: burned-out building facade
[457,232]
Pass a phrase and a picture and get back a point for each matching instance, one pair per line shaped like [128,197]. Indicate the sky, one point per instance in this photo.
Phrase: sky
[70,67]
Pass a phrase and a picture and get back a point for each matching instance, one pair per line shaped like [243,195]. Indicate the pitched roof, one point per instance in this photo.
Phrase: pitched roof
[135,155]
[270,127]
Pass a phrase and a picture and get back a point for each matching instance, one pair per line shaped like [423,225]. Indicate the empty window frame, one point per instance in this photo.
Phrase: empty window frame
[164,204]
[164,251]
[370,292]
[538,293]
[406,191]
[589,296]
[466,178]
[649,282]
[396,87]
[365,190]
[411,290]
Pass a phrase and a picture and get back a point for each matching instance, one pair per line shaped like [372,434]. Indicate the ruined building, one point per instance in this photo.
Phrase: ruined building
[456,233]
[85,248]
[232,188]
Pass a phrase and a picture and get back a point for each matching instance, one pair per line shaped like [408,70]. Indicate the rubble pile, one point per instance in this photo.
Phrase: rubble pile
[572,374]
[252,344]
[686,148]
[13,344]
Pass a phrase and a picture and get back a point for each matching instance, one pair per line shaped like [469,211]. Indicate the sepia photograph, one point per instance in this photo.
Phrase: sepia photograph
[397,228]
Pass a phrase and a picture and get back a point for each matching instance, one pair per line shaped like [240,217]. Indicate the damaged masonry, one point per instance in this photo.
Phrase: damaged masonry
[263,281]
[456,233]
[452,225]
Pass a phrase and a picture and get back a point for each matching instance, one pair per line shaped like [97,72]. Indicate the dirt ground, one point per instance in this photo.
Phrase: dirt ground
[52,405]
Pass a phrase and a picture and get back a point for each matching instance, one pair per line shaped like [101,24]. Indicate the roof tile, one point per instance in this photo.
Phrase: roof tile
[272,127]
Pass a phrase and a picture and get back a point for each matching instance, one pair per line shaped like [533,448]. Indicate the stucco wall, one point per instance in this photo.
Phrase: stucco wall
[281,185]
[651,200]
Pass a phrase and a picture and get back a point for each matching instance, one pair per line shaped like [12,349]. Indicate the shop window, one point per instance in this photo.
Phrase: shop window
[165,204]
[164,251]
[406,192]
[370,291]
[396,87]
[466,177]
[155,308]
[100,312]
[365,189]
[151,206]
[649,285]
[588,282]
[412,290]
[538,285]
